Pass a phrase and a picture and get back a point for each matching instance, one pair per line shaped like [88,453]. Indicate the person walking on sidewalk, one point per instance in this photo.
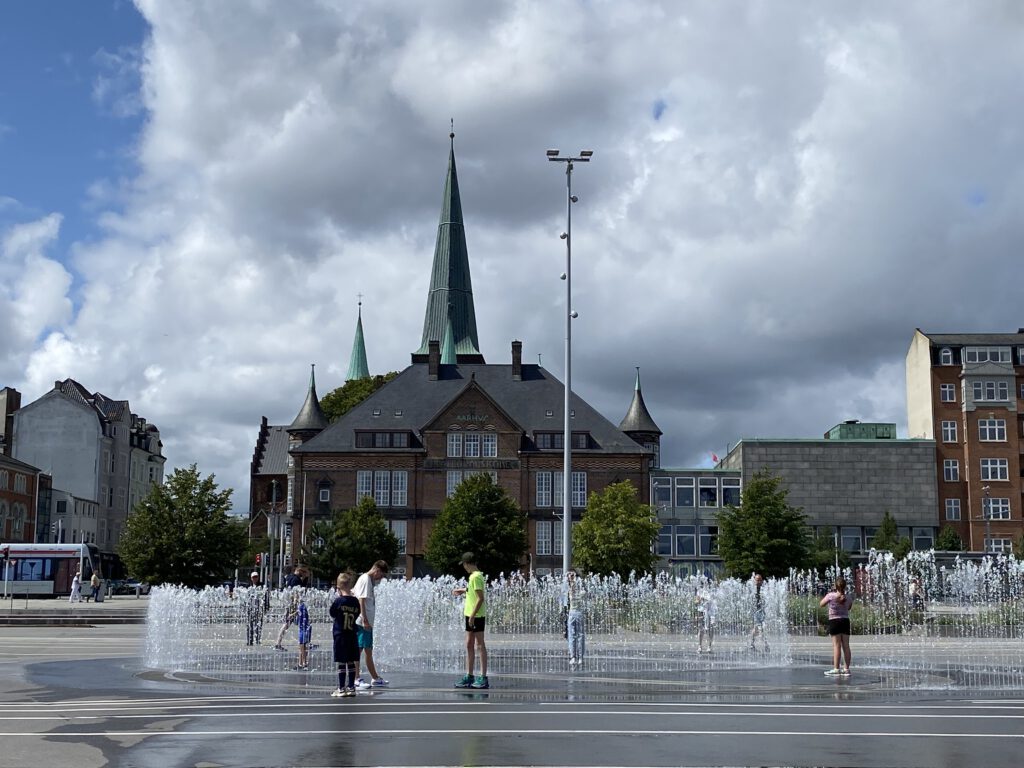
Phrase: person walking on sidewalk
[363,592]
[94,583]
[839,604]
[475,613]
[76,589]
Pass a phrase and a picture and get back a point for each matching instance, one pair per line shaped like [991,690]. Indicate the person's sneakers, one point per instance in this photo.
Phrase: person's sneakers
[349,692]
[480,682]
[278,647]
[833,672]
[465,682]
[361,684]
[339,693]
[845,672]
[379,682]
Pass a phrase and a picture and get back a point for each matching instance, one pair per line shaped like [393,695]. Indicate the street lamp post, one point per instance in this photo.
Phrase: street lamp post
[986,511]
[583,157]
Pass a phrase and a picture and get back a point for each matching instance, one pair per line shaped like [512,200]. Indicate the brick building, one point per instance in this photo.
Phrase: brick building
[448,415]
[966,392]
[20,485]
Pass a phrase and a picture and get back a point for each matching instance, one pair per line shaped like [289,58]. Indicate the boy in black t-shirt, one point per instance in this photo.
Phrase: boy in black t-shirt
[345,611]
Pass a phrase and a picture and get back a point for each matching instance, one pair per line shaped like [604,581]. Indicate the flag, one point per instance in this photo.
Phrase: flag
[714,457]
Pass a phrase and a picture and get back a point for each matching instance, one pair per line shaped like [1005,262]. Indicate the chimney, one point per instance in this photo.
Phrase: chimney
[433,359]
[517,361]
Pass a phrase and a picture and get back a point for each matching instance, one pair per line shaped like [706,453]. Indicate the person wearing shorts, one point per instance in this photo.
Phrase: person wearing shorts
[345,610]
[363,591]
[758,615]
[839,604]
[475,616]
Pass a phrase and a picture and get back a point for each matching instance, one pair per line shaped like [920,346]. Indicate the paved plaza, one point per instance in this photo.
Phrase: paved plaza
[80,696]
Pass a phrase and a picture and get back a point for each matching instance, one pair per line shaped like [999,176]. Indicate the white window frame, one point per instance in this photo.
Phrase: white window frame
[995,508]
[544,486]
[705,483]
[990,391]
[995,469]
[556,489]
[543,537]
[951,470]
[731,483]
[454,444]
[489,445]
[579,489]
[947,393]
[998,545]
[382,488]
[325,494]
[400,529]
[453,479]
[945,356]
[364,484]
[992,430]
[471,445]
[952,509]
[987,355]
[684,483]
[948,431]
[399,488]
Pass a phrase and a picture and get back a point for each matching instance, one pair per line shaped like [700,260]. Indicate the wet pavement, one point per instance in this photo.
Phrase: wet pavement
[81,697]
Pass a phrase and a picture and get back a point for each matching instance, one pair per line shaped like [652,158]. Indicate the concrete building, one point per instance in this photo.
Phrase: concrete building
[95,449]
[966,393]
[846,483]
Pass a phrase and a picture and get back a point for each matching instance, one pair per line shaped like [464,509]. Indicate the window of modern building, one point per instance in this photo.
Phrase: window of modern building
[454,478]
[947,393]
[490,445]
[686,541]
[661,491]
[987,355]
[951,470]
[945,356]
[923,538]
[543,482]
[850,539]
[708,487]
[398,528]
[997,391]
[364,483]
[949,431]
[455,445]
[664,546]
[992,430]
[400,489]
[708,540]
[952,509]
[543,542]
[471,445]
[995,469]
[684,491]
[730,491]
[995,509]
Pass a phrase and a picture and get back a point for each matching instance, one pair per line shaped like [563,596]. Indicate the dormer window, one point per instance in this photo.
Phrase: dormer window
[946,356]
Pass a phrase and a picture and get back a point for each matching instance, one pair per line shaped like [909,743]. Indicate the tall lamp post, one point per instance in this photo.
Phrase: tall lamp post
[583,157]
[986,512]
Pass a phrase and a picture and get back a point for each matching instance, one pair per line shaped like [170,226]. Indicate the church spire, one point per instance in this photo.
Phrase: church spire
[450,297]
[311,418]
[357,367]
[448,354]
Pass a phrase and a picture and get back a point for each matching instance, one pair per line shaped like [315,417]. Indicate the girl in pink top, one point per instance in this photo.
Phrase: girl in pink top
[839,604]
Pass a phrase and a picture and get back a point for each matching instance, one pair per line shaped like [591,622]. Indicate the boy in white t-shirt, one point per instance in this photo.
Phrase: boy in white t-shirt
[363,591]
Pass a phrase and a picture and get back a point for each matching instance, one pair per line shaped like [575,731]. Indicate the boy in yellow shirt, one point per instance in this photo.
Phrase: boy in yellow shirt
[475,615]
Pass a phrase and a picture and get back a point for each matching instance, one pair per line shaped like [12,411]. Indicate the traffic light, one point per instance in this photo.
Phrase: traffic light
[259,559]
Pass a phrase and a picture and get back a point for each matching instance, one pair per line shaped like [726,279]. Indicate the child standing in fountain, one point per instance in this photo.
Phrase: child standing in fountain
[575,630]
[839,604]
[759,615]
[345,611]
[706,610]
[475,615]
[305,631]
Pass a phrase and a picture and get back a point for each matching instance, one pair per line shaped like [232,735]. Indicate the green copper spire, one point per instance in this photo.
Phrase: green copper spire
[357,367]
[450,297]
[448,354]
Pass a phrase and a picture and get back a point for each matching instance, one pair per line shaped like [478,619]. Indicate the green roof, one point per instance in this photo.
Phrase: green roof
[357,367]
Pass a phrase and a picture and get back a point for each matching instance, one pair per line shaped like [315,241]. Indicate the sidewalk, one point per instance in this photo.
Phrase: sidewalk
[122,609]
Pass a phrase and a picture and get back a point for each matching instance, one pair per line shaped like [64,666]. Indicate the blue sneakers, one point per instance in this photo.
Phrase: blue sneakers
[481,682]
[465,682]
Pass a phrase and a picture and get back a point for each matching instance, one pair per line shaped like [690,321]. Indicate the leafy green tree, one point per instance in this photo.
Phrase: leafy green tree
[949,540]
[353,540]
[823,553]
[340,401]
[256,546]
[480,518]
[181,532]
[764,534]
[616,533]
[887,538]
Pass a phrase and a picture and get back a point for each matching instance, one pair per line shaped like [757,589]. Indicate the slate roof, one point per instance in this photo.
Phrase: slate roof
[274,458]
[975,339]
[311,416]
[420,400]
[638,418]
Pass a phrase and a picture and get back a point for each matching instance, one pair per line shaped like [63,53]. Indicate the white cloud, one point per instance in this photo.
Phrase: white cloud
[818,182]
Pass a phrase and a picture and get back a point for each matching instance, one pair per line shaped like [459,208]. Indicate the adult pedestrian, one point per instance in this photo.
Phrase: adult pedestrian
[839,604]
[575,629]
[76,588]
[474,613]
[758,615]
[94,584]
[257,601]
[364,593]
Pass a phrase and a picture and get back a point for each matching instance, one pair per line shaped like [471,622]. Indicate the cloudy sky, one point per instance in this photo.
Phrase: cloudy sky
[193,194]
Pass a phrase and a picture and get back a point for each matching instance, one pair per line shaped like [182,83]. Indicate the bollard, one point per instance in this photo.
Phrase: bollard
[138,591]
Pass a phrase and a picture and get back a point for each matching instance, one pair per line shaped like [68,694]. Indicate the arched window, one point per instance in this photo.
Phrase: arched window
[3,479]
[18,529]
[945,356]
[3,519]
